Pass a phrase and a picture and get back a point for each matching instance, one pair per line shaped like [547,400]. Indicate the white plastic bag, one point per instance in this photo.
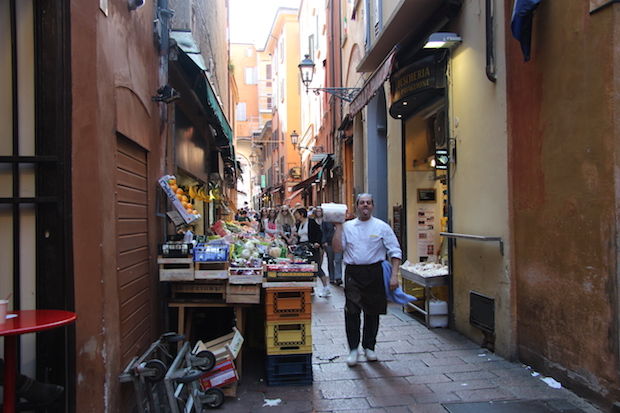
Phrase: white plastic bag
[334,212]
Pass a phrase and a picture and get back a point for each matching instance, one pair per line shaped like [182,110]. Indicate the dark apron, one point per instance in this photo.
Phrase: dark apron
[364,289]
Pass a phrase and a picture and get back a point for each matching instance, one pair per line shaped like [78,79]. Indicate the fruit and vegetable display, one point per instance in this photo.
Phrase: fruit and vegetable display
[179,198]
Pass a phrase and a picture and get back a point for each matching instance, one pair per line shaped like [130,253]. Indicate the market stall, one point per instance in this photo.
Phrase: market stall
[232,266]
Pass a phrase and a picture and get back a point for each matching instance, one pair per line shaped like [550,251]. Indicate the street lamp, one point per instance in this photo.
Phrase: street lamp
[294,138]
[306,71]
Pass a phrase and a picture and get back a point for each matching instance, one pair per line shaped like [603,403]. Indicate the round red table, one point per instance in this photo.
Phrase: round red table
[27,321]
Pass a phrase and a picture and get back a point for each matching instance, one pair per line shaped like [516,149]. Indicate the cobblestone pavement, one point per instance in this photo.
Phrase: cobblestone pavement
[418,370]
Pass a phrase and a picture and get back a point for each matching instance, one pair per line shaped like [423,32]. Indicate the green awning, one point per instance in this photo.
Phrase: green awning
[192,62]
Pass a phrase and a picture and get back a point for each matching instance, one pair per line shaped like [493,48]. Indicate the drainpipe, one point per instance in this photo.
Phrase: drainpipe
[489,20]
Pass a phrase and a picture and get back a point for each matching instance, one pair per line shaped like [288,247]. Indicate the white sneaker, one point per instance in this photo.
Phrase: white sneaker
[326,292]
[352,358]
[370,354]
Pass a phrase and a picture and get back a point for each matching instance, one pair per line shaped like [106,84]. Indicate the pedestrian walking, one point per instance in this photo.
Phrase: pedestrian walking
[334,259]
[365,241]
[308,233]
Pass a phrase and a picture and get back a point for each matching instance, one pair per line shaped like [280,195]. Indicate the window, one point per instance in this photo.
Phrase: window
[268,74]
[367,39]
[250,75]
[269,103]
[241,112]
[378,17]
[311,46]
[248,52]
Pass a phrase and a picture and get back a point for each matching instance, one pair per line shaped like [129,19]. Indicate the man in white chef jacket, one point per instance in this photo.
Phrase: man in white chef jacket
[365,243]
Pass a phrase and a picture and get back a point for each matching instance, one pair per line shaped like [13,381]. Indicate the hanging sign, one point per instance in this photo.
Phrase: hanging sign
[417,84]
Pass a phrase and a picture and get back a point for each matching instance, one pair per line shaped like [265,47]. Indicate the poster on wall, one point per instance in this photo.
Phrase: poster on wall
[426,234]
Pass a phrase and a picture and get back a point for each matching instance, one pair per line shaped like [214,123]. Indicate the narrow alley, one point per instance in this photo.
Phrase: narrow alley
[177,168]
[419,370]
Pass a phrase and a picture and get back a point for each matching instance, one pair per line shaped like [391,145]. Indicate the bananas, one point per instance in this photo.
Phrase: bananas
[203,195]
[199,193]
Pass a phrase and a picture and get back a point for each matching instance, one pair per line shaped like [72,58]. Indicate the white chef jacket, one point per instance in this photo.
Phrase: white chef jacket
[368,242]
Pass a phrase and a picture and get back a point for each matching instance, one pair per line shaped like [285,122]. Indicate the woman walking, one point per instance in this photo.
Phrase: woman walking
[334,259]
[308,233]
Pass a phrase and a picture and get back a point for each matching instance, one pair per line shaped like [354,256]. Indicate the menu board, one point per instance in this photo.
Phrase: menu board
[426,233]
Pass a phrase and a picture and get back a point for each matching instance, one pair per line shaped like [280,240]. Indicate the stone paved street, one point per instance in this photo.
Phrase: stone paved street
[418,370]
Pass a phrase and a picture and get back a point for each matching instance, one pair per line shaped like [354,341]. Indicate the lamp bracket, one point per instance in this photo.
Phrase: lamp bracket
[345,93]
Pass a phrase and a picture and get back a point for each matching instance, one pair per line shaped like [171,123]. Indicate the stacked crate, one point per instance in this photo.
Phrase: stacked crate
[288,333]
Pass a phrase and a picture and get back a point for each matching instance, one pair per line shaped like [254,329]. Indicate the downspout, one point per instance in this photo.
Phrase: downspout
[490,40]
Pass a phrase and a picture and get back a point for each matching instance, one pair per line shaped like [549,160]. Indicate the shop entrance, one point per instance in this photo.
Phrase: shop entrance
[426,188]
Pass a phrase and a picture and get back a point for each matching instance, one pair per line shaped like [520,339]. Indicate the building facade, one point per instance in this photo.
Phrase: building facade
[508,203]
[91,123]
[279,157]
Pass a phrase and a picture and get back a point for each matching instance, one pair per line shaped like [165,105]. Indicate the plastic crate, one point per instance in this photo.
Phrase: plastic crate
[291,272]
[289,370]
[288,303]
[211,252]
[289,276]
[289,337]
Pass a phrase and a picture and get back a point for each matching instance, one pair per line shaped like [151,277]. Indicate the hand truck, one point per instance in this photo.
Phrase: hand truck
[182,382]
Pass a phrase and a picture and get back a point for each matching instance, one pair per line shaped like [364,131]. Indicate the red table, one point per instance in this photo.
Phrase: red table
[27,321]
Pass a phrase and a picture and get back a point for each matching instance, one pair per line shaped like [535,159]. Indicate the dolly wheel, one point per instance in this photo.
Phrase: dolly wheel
[158,369]
[190,376]
[208,360]
[213,398]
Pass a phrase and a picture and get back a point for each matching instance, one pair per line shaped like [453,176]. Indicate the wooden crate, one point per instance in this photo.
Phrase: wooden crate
[211,270]
[175,269]
[288,303]
[243,293]
[204,290]
[223,348]
[245,275]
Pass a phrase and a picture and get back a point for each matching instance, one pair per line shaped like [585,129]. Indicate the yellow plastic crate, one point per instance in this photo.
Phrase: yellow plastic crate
[289,337]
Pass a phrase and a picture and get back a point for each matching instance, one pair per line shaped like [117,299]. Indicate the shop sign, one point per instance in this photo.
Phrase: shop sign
[295,172]
[441,159]
[263,181]
[417,84]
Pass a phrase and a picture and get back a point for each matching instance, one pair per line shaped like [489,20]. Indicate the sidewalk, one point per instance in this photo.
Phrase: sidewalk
[418,370]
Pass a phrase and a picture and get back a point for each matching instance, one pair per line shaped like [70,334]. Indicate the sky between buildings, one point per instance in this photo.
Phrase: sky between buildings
[251,20]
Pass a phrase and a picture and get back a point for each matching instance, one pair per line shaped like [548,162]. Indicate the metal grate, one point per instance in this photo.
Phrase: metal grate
[482,312]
